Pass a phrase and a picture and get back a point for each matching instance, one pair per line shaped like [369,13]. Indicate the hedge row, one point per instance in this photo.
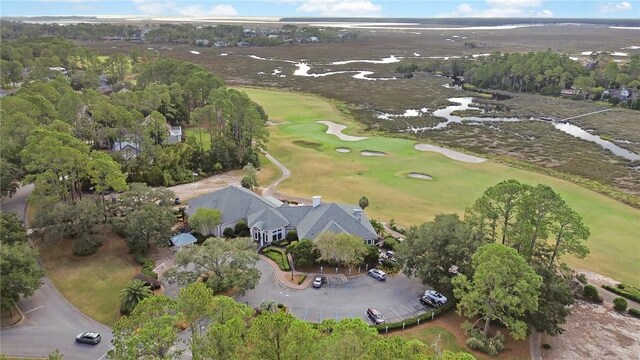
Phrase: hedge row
[278,256]
[634,312]
[415,320]
[626,291]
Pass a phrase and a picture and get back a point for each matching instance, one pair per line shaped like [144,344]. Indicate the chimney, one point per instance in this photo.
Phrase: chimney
[317,200]
[357,213]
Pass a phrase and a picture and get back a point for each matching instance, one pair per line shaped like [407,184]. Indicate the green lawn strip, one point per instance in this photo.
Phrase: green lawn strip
[429,335]
[392,194]
[201,135]
[91,283]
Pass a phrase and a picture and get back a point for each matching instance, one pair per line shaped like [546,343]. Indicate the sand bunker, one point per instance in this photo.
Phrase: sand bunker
[195,52]
[452,154]
[336,129]
[418,175]
[343,150]
[372,153]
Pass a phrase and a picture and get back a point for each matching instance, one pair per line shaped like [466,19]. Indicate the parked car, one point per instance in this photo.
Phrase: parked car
[390,254]
[437,298]
[375,316]
[319,281]
[92,338]
[425,300]
[378,274]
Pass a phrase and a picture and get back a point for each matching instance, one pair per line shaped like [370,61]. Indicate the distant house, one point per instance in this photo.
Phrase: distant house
[221,43]
[62,70]
[9,92]
[175,135]
[314,39]
[127,149]
[243,44]
[622,95]
[569,92]
[269,219]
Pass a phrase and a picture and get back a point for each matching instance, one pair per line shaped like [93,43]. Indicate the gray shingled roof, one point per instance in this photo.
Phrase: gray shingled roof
[234,202]
[317,219]
[269,219]
[239,203]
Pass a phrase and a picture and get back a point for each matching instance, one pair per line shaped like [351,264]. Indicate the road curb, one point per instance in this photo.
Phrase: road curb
[277,272]
[22,316]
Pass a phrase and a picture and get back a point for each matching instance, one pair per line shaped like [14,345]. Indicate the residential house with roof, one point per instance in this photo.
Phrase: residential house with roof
[127,149]
[269,219]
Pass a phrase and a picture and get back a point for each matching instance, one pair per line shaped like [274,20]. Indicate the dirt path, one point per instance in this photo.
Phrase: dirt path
[207,185]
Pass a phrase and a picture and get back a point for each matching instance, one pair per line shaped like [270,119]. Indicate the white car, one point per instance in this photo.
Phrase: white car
[378,274]
[436,297]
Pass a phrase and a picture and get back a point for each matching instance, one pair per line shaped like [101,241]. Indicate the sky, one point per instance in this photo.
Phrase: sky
[328,8]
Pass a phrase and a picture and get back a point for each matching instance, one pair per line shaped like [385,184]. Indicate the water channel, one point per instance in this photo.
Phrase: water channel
[464,103]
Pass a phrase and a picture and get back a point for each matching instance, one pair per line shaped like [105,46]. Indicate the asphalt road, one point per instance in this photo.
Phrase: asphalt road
[396,298]
[50,322]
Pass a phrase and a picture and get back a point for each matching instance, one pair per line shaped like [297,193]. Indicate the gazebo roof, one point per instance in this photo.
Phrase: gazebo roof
[183,239]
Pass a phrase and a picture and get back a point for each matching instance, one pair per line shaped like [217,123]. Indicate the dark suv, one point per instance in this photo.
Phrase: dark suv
[92,338]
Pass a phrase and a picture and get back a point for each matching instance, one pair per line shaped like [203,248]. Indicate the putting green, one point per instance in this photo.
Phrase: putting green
[303,146]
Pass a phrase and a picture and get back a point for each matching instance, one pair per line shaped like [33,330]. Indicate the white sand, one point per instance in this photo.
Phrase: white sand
[343,150]
[336,129]
[452,154]
[420,176]
[372,153]
[195,52]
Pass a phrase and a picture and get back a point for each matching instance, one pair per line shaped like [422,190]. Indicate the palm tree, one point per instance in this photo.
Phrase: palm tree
[135,291]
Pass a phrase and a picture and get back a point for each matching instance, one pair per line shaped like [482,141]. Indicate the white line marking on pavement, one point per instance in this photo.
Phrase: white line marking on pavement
[34,309]
[409,310]
[105,354]
[401,318]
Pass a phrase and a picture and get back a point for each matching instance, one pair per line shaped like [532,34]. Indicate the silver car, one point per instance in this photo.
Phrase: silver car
[378,274]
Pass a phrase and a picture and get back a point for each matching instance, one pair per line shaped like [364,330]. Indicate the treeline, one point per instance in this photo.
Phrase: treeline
[81,31]
[216,35]
[235,331]
[55,125]
[472,21]
[544,72]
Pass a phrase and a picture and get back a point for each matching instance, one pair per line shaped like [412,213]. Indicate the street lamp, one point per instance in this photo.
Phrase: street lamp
[292,269]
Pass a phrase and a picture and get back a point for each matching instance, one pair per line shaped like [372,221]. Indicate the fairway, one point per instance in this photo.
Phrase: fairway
[302,145]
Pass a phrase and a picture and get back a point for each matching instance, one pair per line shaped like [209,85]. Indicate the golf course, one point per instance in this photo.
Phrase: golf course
[301,144]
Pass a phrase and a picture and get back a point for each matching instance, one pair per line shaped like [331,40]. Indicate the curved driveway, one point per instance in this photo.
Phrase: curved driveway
[50,322]
[396,298]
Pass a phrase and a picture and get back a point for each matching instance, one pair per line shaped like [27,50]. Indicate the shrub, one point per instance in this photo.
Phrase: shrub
[634,312]
[150,281]
[149,264]
[229,233]
[292,236]
[620,304]
[627,291]
[302,279]
[414,320]
[491,346]
[591,292]
[278,256]
[390,243]
[86,245]
[546,346]
[241,229]
[149,272]
[139,258]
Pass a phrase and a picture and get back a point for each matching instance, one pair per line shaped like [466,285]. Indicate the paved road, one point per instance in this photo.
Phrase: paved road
[50,321]
[396,298]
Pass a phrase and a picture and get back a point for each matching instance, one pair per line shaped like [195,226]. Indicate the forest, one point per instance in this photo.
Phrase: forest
[67,101]
[545,72]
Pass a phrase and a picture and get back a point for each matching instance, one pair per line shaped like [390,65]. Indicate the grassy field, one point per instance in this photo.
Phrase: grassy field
[317,169]
[91,283]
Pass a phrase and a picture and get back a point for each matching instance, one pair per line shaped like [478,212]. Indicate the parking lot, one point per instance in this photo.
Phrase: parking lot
[396,298]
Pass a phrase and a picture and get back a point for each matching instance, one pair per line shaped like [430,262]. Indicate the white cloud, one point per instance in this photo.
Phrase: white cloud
[500,8]
[197,10]
[70,1]
[154,7]
[545,13]
[611,7]
[340,8]
[514,3]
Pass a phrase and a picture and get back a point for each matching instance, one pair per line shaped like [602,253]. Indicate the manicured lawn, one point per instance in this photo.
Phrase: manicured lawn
[91,283]
[429,335]
[317,169]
